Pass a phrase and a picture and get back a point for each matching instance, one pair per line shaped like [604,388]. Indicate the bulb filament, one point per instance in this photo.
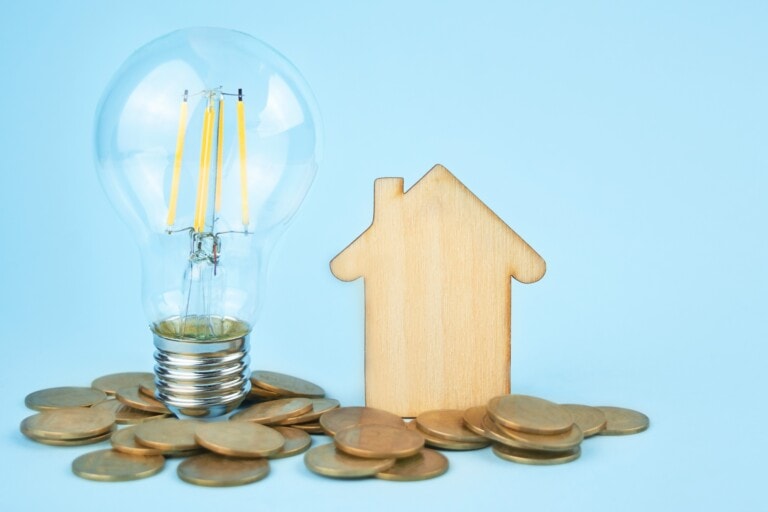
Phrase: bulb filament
[212,136]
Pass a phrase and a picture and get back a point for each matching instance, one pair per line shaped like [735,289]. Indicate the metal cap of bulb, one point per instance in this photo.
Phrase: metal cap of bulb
[201,378]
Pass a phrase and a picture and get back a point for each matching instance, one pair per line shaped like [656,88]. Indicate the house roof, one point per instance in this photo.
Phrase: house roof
[439,184]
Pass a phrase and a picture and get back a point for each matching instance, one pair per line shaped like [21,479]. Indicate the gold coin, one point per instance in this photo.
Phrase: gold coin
[447,424]
[623,421]
[170,454]
[296,442]
[529,414]
[133,398]
[379,441]
[71,442]
[168,434]
[147,389]
[310,428]
[239,439]
[327,461]
[319,407]
[111,383]
[538,458]
[72,423]
[338,419]
[274,411]
[422,466]
[590,420]
[58,398]
[445,444]
[124,440]
[212,470]
[125,414]
[551,443]
[258,393]
[113,466]
[473,419]
[286,384]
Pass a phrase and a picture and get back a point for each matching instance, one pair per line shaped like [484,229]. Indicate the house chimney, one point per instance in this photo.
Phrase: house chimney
[385,192]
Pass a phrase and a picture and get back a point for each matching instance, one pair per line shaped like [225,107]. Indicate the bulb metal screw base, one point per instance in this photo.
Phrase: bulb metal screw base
[201,378]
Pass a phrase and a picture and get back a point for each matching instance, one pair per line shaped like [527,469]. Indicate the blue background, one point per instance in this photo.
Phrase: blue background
[626,142]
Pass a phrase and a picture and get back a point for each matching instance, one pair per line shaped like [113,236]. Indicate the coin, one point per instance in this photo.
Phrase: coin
[125,414]
[111,383]
[68,396]
[379,441]
[552,442]
[473,419]
[310,428]
[148,389]
[623,421]
[327,461]
[114,466]
[529,414]
[72,423]
[286,384]
[239,439]
[538,458]
[590,420]
[133,398]
[447,424]
[71,442]
[263,394]
[319,407]
[296,442]
[338,419]
[124,441]
[274,411]
[422,466]
[168,434]
[214,470]
[445,444]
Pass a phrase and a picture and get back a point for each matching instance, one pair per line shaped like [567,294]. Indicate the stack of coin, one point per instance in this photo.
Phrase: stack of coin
[127,415]
[532,430]
[272,385]
[70,426]
[283,402]
[328,460]
[371,442]
[133,397]
[445,429]
[301,413]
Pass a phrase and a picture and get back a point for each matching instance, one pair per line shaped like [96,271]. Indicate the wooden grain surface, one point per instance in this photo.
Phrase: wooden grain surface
[437,264]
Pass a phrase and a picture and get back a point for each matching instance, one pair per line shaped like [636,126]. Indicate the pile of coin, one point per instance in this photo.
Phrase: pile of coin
[220,453]
[276,422]
[531,430]
[370,442]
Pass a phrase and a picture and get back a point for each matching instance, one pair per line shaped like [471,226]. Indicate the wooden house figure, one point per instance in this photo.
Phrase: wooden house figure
[437,264]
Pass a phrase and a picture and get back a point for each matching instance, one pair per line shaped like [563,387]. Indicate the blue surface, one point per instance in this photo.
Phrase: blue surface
[625,142]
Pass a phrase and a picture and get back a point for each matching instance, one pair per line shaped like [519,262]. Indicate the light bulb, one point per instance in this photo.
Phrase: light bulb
[206,143]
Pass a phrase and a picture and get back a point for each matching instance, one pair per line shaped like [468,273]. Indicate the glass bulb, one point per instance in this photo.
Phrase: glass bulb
[207,141]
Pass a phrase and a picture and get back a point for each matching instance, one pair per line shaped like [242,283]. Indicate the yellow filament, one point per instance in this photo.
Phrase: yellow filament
[243,162]
[202,181]
[219,154]
[177,164]
[207,177]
